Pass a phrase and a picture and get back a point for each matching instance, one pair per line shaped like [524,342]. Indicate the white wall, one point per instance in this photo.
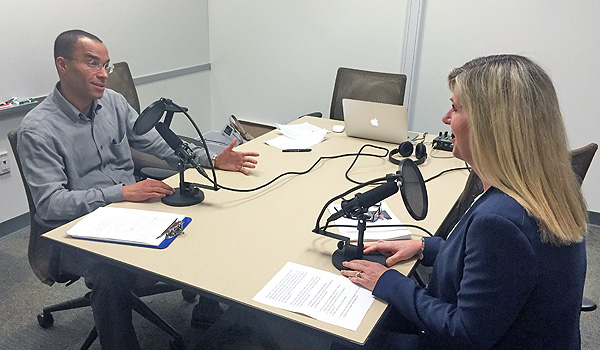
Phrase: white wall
[153,37]
[560,35]
[274,60]
[12,200]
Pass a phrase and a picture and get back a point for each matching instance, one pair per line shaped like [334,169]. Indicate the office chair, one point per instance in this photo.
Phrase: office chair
[44,261]
[581,158]
[365,86]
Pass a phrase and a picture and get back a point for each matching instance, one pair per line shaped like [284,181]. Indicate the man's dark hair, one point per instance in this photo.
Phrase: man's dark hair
[64,45]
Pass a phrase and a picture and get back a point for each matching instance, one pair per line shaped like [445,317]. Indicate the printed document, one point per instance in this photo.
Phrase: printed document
[298,136]
[379,215]
[319,294]
[123,225]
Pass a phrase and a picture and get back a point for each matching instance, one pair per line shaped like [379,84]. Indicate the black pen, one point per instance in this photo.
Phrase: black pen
[296,150]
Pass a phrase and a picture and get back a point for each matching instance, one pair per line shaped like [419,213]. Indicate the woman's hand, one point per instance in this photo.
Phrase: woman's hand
[363,272]
[401,250]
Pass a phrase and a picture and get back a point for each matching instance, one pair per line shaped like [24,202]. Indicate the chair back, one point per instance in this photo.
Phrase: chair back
[121,81]
[581,158]
[473,188]
[43,256]
[366,86]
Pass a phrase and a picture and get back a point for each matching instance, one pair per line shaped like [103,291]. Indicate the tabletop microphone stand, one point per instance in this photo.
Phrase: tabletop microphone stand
[347,251]
[187,194]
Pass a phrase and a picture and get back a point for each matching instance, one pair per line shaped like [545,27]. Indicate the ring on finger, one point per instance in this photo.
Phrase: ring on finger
[358,273]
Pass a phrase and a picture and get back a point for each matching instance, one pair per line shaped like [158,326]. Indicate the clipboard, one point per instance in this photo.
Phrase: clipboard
[165,243]
[130,227]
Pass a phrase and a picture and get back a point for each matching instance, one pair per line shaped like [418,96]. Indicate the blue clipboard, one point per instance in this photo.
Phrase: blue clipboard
[165,243]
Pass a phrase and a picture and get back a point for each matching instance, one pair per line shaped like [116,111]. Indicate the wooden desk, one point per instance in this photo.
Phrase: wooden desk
[238,241]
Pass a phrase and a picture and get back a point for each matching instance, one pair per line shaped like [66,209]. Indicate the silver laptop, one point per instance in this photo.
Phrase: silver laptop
[375,121]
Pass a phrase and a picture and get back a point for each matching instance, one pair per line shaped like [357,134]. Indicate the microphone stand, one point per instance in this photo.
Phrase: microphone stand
[187,193]
[347,251]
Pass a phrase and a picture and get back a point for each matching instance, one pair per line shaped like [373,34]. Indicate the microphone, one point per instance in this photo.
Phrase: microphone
[364,201]
[182,150]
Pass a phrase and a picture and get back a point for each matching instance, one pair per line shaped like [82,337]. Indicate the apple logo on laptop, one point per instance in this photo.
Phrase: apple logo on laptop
[374,122]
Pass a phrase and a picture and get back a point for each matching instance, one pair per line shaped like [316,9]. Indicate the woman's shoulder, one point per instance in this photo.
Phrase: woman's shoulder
[497,204]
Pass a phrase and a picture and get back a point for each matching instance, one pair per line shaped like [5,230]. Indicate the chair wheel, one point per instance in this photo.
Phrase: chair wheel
[188,296]
[176,345]
[45,319]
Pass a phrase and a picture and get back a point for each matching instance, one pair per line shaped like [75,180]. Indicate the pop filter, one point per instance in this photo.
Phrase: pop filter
[149,117]
[414,193]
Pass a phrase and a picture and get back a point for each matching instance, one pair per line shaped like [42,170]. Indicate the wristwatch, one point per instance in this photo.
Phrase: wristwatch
[214,157]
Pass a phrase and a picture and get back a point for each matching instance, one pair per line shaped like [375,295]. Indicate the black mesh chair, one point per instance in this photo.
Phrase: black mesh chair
[365,86]
[581,159]
[44,259]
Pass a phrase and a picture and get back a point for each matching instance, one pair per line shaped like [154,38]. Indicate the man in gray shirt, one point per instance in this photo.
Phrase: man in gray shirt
[75,150]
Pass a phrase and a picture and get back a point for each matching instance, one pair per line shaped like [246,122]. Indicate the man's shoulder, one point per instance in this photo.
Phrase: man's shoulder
[40,117]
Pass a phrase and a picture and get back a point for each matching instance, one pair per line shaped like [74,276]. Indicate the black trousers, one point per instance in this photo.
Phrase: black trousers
[110,300]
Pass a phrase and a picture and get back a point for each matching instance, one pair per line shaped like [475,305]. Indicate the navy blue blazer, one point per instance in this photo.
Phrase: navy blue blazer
[494,284]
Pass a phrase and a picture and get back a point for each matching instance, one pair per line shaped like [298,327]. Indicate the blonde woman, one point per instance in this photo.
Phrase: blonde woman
[511,274]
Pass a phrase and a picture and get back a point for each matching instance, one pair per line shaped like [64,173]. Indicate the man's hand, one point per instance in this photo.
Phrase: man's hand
[231,160]
[140,191]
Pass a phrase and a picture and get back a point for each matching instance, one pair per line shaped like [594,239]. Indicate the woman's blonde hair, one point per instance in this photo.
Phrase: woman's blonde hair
[519,143]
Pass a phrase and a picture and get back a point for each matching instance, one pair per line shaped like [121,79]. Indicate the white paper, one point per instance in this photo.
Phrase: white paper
[384,216]
[124,225]
[319,294]
[298,136]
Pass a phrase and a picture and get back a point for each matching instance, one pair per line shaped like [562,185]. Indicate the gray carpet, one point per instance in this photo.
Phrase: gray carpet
[590,321]
[22,297]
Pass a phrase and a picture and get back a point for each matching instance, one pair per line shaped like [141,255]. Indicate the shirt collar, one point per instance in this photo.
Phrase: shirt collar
[68,109]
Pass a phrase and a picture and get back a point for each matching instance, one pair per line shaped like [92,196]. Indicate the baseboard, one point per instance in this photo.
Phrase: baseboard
[593,218]
[17,223]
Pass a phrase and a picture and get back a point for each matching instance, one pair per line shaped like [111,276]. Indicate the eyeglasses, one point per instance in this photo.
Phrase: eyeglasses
[95,66]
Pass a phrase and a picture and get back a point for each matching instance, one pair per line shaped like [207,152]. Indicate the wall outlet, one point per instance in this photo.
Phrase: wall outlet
[4,166]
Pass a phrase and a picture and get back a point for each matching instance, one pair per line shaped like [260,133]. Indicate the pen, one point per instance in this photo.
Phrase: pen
[296,150]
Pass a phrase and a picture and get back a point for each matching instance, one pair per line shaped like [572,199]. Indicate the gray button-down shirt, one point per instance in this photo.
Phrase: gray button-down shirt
[75,163]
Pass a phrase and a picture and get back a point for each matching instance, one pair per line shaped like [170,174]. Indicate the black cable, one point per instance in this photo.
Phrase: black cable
[311,168]
[356,159]
[447,171]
